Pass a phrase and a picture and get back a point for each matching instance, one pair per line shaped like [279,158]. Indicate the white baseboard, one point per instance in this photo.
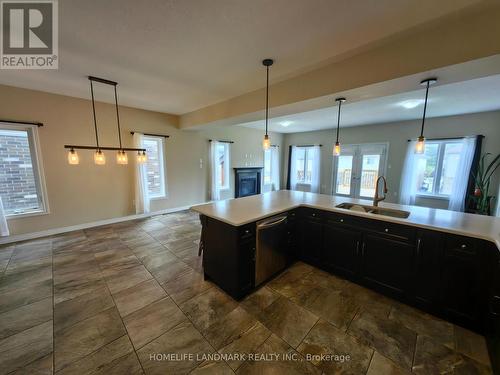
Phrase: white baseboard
[71,228]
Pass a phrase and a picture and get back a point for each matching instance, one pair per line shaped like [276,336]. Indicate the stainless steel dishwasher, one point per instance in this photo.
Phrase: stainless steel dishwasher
[271,251]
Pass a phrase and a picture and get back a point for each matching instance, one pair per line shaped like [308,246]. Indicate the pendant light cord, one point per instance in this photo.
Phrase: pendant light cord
[338,121]
[93,111]
[118,119]
[267,95]
[425,108]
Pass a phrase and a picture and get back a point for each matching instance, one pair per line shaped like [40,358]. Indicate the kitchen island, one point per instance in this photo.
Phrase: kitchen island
[444,262]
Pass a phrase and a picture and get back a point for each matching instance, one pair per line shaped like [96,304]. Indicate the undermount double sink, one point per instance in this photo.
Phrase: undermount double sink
[374,210]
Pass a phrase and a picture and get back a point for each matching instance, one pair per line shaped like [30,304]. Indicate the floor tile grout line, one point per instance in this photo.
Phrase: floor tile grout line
[199,330]
[414,352]
[121,319]
[53,312]
[371,360]
[187,317]
[8,263]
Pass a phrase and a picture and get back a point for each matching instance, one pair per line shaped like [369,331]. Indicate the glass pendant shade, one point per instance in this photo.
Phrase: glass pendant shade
[266,143]
[73,158]
[336,149]
[121,157]
[420,146]
[141,157]
[99,158]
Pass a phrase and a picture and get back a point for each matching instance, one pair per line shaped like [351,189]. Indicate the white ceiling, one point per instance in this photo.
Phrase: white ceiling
[180,55]
[476,95]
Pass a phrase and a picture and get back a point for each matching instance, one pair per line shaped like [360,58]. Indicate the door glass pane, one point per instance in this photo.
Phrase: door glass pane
[309,167]
[344,173]
[300,164]
[427,168]
[369,174]
[451,159]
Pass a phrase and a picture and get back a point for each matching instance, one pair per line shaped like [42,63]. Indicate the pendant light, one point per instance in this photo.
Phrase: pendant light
[266,143]
[73,158]
[420,146]
[99,157]
[121,156]
[336,147]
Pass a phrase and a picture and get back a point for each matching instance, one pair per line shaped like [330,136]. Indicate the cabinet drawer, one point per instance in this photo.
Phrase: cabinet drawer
[395,231]
[311,213]
[246,231]
[460,245]
[334,218]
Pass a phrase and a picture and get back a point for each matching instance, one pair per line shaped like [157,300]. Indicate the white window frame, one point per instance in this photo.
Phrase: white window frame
[38,170]
[226,186]
[356,165]
[161,157]
[439,170]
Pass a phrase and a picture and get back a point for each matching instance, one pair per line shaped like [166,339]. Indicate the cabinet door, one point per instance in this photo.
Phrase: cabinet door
[246,265]
[311,240]
[387,265]
[341,246]
[461,280]
[427,260]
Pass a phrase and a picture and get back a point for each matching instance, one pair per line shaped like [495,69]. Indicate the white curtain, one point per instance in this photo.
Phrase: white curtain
[293,168]
[142,201]
[275,167]
[4,229]
[408,191]
[214,172]
[314,154]
[461,180]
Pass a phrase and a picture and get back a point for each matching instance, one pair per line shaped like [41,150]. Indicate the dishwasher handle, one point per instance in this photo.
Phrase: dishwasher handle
[271,223]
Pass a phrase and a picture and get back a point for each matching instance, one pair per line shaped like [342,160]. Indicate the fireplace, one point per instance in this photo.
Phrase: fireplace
[247,181]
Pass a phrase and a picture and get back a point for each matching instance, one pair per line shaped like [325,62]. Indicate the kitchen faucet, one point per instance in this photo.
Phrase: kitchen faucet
[376,198]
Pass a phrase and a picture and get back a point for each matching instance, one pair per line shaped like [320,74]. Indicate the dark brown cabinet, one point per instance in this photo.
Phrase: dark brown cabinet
[311,236]
[341,248]
[461,279]
[386,264]
[426,280]
[448,275]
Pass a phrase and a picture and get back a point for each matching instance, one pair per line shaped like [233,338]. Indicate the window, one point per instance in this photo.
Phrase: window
[437,167]
[267,167]
[357,168]
[271,169]
[304,165]
[222,165]
[22,186]
[155,166]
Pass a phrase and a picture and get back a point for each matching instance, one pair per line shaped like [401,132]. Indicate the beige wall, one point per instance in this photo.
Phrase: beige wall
[397,134]
[87,193]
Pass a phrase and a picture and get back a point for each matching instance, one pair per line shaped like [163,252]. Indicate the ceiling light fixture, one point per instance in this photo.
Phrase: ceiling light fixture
[336,147]
[266,143]
[99,157]
[286,124]
[411,103]
[420,146]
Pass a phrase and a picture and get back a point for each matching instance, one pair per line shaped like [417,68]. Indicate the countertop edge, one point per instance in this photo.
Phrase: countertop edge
[353,213]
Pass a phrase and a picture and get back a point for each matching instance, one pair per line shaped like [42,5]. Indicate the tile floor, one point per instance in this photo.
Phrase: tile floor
[105,300]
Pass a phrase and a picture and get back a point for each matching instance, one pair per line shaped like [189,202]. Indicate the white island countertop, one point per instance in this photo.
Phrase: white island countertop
[249,209]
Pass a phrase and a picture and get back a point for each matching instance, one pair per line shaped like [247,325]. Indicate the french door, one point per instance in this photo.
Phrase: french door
[356,169]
